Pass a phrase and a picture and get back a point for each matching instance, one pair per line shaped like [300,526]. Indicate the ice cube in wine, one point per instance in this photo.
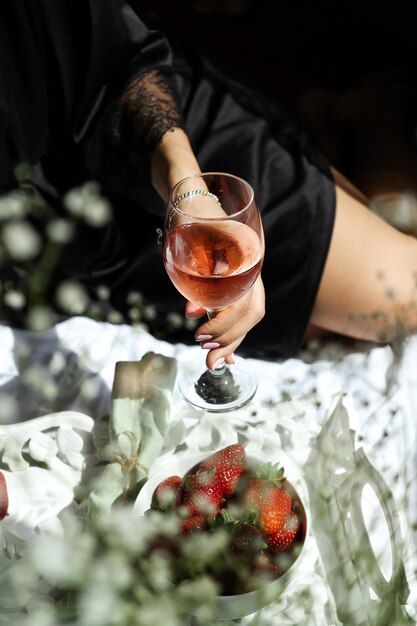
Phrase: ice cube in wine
[213,264]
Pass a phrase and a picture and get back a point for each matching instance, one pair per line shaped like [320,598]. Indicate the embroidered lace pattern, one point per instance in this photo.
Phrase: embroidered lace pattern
[149,109]
[131,128]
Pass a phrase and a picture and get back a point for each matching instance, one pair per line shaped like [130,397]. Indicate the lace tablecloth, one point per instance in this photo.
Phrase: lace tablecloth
[332,416]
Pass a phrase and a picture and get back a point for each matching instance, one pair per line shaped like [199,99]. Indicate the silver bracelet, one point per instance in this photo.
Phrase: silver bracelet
[195,192]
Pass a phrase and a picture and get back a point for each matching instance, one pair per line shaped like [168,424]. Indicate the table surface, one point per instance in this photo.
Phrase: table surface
[71,368]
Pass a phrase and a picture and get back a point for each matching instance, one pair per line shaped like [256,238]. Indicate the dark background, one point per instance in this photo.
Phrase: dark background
[293,45]
[300,49]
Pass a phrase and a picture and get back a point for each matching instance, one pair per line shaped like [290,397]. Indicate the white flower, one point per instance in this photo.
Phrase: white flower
[90,389]
[124,531]
[134,314]
[12,206]
[158,572]
[99,604]
[103,292]
[60,231]
[191,593]
[103,573]
[14,299]
[190,323]
[74,201]
[21,241]
[57,363]
[149,312]
[63,560]
[161,524]
[158,612]
[34,377]
[8,408]
[43,615]
[175,320]
[114,317]
[40,318]
[86,203]
[72,297]
[50,390]
[134,297]
[97,212]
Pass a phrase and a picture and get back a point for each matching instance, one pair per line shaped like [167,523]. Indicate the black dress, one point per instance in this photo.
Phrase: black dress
[65,64]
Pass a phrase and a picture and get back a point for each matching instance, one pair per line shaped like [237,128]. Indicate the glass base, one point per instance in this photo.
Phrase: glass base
[225,389]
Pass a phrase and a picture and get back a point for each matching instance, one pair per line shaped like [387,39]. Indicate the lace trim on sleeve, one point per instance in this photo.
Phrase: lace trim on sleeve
[132,127]
[149,109]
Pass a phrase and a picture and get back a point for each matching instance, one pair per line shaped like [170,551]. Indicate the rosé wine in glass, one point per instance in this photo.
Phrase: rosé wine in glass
[213,265]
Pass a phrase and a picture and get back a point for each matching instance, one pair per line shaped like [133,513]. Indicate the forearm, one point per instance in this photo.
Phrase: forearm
[172,160]
[154,126]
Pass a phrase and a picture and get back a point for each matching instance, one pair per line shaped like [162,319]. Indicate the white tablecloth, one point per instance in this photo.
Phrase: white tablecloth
[72,367]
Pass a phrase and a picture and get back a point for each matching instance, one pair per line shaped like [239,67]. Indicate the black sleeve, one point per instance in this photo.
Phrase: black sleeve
[72,60]
[129,99]
[108,47]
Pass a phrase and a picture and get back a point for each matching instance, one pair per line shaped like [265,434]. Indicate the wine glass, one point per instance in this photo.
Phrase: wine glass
[213,248]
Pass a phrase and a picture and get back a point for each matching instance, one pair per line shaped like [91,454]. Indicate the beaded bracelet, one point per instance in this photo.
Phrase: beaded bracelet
[195,192]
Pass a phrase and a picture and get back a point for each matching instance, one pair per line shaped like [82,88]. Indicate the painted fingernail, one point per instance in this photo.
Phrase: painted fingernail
[203,337]
[219,363]
[210,345]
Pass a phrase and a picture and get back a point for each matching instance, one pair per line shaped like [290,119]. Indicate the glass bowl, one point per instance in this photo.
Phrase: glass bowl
[240,605]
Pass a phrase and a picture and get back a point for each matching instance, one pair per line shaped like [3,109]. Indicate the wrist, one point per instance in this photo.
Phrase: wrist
[171,161]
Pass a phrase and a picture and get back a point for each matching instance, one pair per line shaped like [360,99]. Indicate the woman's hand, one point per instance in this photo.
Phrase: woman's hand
[222,335]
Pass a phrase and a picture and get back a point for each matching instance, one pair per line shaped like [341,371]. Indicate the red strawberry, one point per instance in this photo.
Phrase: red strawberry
[164,495]
[200,494]
[4,497]
[274,510]
[254,491]
[190,524]
[282,539]
[228,464]
[180,494]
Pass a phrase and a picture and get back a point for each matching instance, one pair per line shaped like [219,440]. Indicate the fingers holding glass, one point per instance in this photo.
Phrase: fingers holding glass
[223,334]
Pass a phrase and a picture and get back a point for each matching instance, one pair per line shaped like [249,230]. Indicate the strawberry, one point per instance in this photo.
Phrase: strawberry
[274,510]
[227,464]
[247,540]
[200,494]
[4,497]
[255,485]
[282,539]
[254,491]
[165,493]
[261,493]
[180,494]
[190,524]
